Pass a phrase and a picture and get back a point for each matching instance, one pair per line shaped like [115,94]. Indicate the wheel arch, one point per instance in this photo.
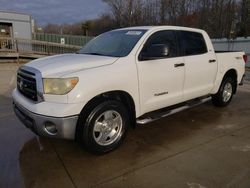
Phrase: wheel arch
[233,74]
[118,95]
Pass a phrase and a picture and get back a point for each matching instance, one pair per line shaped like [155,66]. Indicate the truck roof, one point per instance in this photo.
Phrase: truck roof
[162,27]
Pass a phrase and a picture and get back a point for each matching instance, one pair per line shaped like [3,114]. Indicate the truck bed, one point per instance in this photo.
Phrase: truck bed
[231,60]
[225,51]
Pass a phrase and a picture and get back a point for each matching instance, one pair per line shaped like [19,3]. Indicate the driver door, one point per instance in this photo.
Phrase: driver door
[161,79]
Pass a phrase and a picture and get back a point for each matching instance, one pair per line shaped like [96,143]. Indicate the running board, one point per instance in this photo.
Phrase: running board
[153,116]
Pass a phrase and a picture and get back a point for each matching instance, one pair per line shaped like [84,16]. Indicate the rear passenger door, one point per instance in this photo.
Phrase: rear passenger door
[200,65]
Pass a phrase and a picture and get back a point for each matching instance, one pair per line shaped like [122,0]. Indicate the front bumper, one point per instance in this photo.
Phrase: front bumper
[65,126]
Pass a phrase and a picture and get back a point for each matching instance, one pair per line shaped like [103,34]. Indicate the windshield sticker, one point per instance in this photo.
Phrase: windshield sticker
[133,33]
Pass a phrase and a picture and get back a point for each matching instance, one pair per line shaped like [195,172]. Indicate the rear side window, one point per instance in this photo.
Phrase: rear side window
[192,43]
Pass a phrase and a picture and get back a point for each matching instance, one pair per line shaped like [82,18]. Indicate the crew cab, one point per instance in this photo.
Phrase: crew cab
[122,78]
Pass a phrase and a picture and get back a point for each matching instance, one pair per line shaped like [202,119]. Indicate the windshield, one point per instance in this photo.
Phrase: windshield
[118,43]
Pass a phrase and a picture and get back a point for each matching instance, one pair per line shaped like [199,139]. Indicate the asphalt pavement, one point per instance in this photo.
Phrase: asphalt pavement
[202,147]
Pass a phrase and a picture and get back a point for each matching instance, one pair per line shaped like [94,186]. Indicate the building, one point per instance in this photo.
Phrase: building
[16,25]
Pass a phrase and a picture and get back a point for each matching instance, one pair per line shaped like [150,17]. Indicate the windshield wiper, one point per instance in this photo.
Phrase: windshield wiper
[98,54]
[94,54]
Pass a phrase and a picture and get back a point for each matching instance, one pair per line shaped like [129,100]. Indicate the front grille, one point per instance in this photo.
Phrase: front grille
[26,84]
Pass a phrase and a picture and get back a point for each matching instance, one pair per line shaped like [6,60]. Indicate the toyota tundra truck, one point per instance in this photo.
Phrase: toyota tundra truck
[123,78]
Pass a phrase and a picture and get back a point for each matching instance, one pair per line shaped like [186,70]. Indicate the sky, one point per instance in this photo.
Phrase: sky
[56,11]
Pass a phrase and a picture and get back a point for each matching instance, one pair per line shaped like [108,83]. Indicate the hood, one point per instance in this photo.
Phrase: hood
[60,65]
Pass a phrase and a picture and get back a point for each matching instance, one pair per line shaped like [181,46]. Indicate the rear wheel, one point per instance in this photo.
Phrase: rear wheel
[225,94]
[105,127]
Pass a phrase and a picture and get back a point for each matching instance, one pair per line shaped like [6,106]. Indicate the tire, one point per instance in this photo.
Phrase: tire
[104,128]
[225,94]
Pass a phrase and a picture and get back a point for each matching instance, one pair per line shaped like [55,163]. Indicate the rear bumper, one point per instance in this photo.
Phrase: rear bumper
[65,126]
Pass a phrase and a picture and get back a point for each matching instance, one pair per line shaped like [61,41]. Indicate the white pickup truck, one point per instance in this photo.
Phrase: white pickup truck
[123,77]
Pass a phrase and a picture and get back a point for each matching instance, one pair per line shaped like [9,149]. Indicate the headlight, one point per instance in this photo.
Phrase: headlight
[59,86]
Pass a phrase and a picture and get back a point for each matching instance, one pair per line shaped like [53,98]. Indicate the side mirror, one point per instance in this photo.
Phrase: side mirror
[155,51]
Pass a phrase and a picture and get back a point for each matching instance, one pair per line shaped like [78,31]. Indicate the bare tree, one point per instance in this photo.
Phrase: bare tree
[117,9]
[244,23]
[220,18]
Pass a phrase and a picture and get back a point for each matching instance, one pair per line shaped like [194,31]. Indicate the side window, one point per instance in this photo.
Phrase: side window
[161,38]
[192,43]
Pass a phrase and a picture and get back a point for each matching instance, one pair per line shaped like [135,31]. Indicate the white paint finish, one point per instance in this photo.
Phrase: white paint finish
[199,75]
[158,76]
[119,76]
[56,98]
[59,65]
[47,108]
[141,80]
[228,61]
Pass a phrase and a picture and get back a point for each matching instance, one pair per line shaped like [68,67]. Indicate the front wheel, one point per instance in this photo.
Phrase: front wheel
[225,94]
[105,127]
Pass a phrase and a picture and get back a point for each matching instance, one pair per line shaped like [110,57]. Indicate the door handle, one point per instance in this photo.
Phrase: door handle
[179,65]
[212,61]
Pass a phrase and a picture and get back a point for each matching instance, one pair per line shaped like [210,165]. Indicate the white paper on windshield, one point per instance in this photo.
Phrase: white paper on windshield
[133,33]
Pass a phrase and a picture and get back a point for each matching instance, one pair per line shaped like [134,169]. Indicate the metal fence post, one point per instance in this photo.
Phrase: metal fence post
[17,50]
